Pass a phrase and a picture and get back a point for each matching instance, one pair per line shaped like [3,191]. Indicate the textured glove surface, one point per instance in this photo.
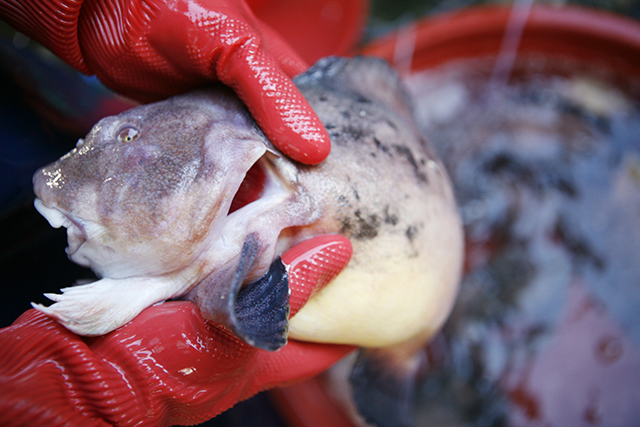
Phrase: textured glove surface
[168,366]
[149,50]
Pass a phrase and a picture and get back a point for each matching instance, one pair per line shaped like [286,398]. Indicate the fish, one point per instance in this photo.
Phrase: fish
[187,198]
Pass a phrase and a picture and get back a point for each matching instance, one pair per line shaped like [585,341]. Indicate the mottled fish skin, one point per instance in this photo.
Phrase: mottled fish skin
[149,215]
[384,188]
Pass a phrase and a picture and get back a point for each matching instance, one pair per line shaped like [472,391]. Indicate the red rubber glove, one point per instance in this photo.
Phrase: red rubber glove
[151,49]
[168,366]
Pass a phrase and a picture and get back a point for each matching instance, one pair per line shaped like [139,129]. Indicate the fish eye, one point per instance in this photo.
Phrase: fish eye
[128,134]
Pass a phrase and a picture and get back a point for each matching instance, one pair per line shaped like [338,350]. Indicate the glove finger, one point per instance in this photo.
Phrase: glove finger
[314,263]
[282,112]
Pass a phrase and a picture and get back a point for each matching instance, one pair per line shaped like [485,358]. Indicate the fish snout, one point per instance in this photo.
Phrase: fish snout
[48,183]
[49,186]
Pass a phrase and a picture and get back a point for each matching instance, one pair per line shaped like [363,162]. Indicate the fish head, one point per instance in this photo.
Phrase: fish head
[145,190]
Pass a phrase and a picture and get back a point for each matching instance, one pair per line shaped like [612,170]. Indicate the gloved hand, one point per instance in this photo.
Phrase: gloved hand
[151,49]
[168,366]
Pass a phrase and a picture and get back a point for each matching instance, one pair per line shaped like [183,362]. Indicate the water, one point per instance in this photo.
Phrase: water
[546,330]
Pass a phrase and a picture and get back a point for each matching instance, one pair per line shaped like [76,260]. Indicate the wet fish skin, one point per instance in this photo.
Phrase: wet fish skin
[146,196]
[384,188]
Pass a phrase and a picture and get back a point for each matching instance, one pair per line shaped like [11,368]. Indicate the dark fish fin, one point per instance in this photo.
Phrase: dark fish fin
[262,309]
[383,384]
[258,313]
[366,77]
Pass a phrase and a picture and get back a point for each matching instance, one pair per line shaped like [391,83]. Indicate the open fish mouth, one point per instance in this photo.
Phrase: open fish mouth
[265,187]
[252,187]
[76,230]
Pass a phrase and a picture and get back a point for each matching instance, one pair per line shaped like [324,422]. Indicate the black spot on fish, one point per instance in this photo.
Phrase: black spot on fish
[362,99]
[322,98]
[389,218]
[360,227]
[380,146]
[355,193]
[353,133]
[329,127]
[411,232]
[406,152]
[391,124]
[346,114]
[346,226]
[366,230]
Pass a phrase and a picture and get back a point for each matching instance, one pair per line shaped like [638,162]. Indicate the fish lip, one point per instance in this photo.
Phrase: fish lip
[58,217]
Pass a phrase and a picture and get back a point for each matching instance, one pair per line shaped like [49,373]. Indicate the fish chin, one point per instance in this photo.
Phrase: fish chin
[76,238]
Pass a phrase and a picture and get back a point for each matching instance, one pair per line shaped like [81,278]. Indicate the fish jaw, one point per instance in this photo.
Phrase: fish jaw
[152,205]
[79,232]
[57,218]
[46,182]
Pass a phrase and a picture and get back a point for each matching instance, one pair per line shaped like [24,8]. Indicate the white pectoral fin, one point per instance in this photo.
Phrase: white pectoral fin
[105,305]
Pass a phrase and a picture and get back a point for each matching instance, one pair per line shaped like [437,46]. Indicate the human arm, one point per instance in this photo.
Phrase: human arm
[167,366]
[149,50]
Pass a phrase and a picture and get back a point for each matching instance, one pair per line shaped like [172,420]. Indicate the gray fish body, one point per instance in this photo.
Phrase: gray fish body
[146,199]
[384,189]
